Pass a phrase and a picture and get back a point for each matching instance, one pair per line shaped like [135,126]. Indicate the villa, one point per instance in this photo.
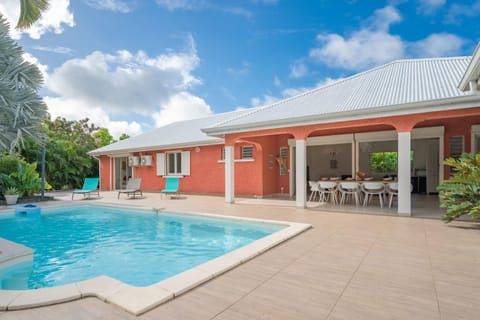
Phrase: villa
[424,110]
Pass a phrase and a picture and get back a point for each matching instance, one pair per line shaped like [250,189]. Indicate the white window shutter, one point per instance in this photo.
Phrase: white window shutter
[160,164]
[185,163]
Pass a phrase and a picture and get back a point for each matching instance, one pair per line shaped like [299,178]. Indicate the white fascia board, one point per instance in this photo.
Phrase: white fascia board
[159,147]
[472,72]
[467,101]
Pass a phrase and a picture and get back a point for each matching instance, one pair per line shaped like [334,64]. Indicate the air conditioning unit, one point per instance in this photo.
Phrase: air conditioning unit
[146,160]
[133,161]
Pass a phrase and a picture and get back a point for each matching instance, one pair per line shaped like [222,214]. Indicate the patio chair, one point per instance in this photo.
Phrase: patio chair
[392,190]
[371,189]
[171,186]
[90,185]
[315,191]
[349,190]
[132,188]
[328,191]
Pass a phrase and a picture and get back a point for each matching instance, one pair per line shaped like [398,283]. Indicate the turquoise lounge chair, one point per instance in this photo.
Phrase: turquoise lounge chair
[171,186]
[90,185]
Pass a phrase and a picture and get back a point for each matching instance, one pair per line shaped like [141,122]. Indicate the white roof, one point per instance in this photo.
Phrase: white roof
[177,134]
[399,87]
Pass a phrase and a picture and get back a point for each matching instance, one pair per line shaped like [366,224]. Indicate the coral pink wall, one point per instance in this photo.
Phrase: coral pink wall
[207,174]
[105,171]
[268,169]
[261,176]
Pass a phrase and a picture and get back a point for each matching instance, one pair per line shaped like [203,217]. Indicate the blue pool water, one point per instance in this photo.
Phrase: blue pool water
[138,248]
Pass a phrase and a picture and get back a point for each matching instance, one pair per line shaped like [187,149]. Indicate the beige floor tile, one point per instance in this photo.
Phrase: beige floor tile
[348,266]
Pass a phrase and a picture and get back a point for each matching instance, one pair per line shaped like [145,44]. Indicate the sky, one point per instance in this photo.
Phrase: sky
[134,65]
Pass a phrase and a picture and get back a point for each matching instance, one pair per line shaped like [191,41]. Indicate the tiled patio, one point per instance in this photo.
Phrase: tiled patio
[348,266]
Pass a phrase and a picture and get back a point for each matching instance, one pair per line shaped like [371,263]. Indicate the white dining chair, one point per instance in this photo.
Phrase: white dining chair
[328,191]
[349,191]
[392,190]
[371,189]
[314,190]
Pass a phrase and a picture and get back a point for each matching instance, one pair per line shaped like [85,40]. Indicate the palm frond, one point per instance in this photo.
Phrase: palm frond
[30,12]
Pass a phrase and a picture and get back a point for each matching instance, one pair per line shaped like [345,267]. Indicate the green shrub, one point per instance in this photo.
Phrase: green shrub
[25,179]
[8,163]
[460,194]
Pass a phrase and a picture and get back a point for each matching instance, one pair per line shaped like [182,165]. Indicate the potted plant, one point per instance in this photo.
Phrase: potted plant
[11,195]
[360,175]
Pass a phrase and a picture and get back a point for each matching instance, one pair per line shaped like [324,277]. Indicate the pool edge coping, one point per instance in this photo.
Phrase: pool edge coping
[138,300]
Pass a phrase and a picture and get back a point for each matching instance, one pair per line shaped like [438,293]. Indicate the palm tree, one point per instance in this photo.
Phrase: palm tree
[30,11]
[21,107]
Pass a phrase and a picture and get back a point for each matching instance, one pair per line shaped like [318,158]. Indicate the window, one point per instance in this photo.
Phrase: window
[173,163]
[247,152]
[222,155]
[385,162]
[283,161]
[455,144]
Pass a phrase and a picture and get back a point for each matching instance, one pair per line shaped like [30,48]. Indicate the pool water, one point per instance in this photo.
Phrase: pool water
[139,248]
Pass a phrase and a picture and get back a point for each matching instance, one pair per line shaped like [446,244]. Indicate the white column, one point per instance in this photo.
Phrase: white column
[404,174]
[229,175]
[301,173]
[474,86]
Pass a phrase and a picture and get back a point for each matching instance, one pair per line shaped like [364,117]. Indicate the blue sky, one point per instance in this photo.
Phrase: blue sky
[133,65]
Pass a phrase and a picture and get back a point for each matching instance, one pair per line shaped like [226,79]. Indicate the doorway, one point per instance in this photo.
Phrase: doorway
[122,172]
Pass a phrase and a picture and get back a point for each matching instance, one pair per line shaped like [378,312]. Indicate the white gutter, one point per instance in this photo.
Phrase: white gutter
[155,147]
[461,102]
[99,171]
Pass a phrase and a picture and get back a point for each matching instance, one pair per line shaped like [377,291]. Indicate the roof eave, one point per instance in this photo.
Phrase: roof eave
[391,110]
[472,72]
[158,147]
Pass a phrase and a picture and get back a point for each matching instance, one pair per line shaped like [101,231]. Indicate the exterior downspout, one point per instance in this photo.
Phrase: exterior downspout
[99,164]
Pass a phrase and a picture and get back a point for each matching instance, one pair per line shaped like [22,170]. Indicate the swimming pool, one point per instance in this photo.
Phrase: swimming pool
[134,246]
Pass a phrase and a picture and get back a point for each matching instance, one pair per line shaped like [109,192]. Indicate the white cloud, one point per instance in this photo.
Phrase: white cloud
[383,18]
[112,5]
[125,81]
[265,100]
[74,109]
[134,85]
[42,67]
[181,106]
[371,45]
[298,69]
[265,1]
[430,6]
[53,20]
[458,11]
[277,82]
[58,49]
[364,49]
[241,71]
[181,4]
[191,5]
[438,45]
[237,11]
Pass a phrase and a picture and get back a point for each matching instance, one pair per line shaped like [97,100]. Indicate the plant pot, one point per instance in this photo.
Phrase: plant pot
[11,198]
